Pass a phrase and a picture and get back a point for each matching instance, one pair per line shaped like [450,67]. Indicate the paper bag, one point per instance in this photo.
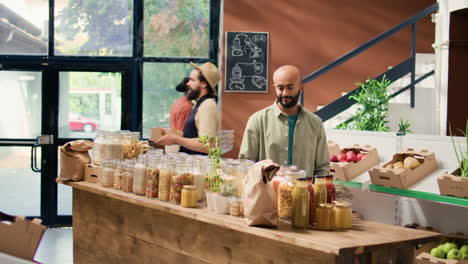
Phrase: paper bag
[260,205]
[73,157]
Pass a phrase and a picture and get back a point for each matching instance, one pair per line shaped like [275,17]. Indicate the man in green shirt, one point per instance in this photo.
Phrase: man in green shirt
[286,132]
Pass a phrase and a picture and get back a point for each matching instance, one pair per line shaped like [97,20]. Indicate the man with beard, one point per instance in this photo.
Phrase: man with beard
[181,109]
[203,120]
[286,132]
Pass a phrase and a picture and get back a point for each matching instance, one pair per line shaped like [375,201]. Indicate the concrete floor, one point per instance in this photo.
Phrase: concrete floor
[56,247]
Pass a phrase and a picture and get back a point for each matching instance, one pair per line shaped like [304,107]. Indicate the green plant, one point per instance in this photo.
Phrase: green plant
[213,179]
[403,127]
[462,158]
[228,190]
[373,101]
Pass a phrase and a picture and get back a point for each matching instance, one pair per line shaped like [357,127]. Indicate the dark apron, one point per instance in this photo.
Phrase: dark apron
[190,129]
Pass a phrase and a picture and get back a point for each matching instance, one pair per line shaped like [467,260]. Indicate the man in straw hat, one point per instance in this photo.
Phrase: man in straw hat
[203,120]
[286,132]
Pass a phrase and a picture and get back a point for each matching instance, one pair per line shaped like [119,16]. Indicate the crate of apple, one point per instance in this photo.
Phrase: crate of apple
[450,250]
[349,156]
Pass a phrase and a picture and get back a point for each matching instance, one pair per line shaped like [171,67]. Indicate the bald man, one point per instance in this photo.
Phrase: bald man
[286,132]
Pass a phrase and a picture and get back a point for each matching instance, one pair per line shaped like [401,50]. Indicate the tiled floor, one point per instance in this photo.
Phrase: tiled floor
[56,247]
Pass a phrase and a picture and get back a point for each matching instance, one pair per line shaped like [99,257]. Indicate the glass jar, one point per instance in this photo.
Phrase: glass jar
[310,188]
[106,179]
[199,172]
[189,196]
[320,193]
[238,171]
[343,215]
[139,178]
[112,147]
[96,151]
[300,204]
[118,173]
[285,195]
[131,145]
[183,176]
[235,206]
[331,190]
[152,177]
[127,176]
[165,177]
[325,216]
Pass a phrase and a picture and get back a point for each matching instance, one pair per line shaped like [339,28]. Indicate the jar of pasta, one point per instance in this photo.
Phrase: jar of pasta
[325,216]
[300,204]
[165,177]
[139,177]
[132,146]
[343,215]
[152,176]
[285,195]
[118,173]
[183,176]
[189,196]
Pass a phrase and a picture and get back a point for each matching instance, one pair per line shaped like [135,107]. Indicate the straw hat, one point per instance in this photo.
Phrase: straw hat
[210,72]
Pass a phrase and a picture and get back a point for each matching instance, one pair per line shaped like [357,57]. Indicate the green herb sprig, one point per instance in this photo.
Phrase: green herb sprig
[213,180]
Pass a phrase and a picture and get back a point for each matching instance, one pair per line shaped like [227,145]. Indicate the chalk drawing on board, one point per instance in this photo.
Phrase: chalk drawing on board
[237,78]
[246,62]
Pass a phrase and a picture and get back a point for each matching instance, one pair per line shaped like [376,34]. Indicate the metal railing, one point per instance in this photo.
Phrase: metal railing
[395,73]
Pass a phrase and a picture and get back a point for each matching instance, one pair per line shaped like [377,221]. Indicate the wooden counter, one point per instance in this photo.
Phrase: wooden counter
[111,226]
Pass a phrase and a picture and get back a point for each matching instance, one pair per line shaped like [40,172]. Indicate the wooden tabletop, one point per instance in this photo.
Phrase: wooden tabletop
[363,235]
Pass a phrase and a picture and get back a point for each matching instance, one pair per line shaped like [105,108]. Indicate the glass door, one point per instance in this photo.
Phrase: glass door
[20,124]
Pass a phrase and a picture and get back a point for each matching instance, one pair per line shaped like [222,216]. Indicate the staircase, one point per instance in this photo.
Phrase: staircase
[412,88]
[400,105]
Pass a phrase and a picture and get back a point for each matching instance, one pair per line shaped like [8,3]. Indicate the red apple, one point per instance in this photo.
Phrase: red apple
[350,152]
[334,158]
[363,156]
[342,157]
[351,157]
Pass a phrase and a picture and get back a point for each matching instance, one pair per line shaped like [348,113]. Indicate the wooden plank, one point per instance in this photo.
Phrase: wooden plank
[202,241]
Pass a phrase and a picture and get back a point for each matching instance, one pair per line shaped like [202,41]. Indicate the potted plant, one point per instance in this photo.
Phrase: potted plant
[462,157]
[213,179]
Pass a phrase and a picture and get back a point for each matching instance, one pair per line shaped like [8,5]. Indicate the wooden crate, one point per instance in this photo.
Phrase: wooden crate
[333,148]
[453,185]
[347,171]
[92,172]
[423,255]
[404,178]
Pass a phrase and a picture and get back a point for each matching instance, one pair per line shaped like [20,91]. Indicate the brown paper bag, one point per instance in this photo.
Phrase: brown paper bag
[73,157]
[260,205]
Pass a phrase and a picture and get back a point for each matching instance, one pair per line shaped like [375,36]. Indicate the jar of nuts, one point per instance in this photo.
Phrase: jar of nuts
[285,194]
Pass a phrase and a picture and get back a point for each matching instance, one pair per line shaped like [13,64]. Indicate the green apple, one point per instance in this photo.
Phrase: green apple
[464,250]
[449,246]
[465,256]
[438,253]
[454,254]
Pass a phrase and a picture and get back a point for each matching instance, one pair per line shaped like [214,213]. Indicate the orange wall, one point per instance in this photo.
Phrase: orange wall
[311,34]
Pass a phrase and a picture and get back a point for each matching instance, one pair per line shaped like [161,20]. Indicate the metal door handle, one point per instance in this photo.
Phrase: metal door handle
[33,159]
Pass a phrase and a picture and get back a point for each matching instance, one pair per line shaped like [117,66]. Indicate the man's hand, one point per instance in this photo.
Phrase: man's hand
[169,138]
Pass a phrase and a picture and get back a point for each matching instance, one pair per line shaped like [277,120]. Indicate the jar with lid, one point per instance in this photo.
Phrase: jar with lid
[152,176]
[183,176]
[325,216]
[238,171]
[199,172]
[300,204]
[106,179]
[310,188]
[320,193]
[343,215]
[331,190]
[112,147]
[139,177]
[165,177]
[96,151]
[285,195]
[189,196]
[127,176]
[118,173]
[132,146]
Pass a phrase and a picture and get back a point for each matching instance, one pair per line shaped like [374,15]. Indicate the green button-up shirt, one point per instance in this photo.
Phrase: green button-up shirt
[266,137]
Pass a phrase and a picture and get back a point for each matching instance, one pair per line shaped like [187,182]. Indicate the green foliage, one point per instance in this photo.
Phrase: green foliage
[462,158]
[403,127]
[373,101]
[214,153]
[228,190]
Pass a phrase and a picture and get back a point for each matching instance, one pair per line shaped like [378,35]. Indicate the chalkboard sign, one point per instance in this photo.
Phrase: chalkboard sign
[246,62]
